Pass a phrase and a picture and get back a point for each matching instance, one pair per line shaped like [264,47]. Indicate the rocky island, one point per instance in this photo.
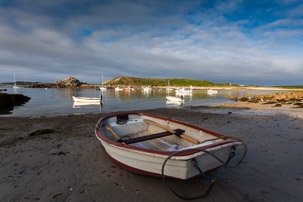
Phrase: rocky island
[68,82]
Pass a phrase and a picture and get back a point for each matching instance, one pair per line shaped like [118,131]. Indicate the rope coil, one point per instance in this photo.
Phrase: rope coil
[213,179]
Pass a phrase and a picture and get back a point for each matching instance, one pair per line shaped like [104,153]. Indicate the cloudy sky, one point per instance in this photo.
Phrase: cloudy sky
[237,41]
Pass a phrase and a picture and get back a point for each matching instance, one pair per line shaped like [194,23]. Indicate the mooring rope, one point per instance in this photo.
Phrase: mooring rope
[196,165]
[213,179]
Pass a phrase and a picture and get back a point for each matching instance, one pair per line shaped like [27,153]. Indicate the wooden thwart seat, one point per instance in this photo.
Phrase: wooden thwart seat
[152,136]
[177,132]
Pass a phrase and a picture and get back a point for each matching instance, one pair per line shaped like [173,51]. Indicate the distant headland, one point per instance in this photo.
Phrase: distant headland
[157,83]
[72,82]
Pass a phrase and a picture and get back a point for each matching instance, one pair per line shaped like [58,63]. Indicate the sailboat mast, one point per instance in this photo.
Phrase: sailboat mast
[15,85]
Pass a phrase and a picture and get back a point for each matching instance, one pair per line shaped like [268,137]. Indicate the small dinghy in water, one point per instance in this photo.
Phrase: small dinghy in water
[175,99]
[96,100]
[143,143]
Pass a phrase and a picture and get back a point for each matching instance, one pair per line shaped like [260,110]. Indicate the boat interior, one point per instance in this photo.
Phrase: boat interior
[153,133]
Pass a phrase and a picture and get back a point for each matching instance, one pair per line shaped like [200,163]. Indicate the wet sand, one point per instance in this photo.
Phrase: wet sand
[72,165]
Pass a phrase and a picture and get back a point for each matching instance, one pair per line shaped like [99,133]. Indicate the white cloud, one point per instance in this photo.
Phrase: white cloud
[147,45]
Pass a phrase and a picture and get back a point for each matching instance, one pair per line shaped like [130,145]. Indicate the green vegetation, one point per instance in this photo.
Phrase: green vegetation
[291,87]
[123,80]
[20,83]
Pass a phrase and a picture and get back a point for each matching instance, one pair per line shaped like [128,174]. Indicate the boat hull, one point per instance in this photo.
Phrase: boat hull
[174,99]
[86,100]
[118,89]
[150,162]
[212,92]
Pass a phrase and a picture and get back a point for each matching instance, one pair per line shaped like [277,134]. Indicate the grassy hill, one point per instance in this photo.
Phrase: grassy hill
[133,81]
[291,87]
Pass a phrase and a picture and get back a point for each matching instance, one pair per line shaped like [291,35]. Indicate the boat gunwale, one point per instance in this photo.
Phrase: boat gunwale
[109,141]
[87,98]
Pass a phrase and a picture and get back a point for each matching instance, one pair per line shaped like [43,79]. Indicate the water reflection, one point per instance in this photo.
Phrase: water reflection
[79,105]
[59,101]
[168,102]
[16,90]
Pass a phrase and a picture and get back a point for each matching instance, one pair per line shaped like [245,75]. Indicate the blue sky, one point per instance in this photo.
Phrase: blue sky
[238,41]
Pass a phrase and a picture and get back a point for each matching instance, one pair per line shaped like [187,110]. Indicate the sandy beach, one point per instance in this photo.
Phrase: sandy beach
[72,166]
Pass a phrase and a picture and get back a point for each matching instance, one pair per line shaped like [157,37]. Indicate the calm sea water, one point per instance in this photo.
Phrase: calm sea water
[55,101]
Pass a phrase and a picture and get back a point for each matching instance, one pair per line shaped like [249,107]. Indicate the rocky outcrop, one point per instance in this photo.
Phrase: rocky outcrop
[8,101]
[13,99]
[281,97]
[69,82]
[295,98]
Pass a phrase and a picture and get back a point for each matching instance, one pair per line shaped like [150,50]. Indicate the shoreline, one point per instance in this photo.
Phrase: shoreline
[231,88]
[72,165]
[263,108]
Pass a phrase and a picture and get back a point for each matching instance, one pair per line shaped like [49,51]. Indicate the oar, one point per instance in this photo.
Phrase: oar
[171,131]
[109,128]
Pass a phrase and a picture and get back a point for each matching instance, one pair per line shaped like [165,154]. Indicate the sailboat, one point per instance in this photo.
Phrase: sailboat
[184,90]
[102,87]
[168,88]
[15,85]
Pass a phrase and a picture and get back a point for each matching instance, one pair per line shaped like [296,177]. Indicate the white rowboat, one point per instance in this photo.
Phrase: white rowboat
[87,99]
[174,99]
[146,88]
[141,143]
[212,91]
[118,89]
[183,90]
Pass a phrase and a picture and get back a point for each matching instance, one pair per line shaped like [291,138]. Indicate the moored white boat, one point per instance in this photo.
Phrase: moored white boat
[118,89]
[102,87]
[87,99]
[175,99]
[210,91]
[184,90]
[146,88]
[15,83]
[168,88]
[142,143]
